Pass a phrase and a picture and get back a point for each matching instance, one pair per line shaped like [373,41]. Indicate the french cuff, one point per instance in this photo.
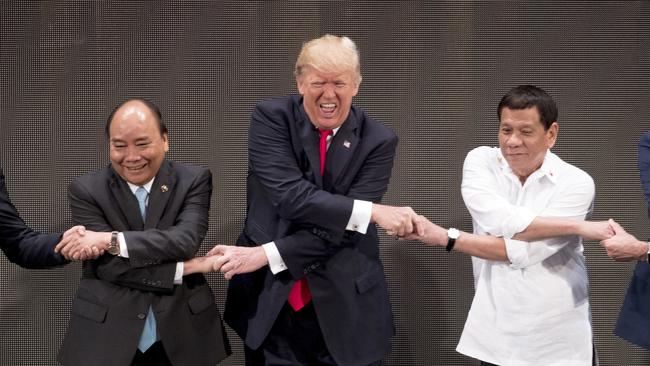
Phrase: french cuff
[517,252]
[518,222]
[124,251]
[178,275]
[360,218]
[275,260]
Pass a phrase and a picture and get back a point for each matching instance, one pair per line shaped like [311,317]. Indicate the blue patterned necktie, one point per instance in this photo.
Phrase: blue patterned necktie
[148,336]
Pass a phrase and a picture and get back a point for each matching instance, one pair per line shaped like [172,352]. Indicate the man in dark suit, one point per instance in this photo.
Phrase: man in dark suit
[633,323]
[308,285]
[139,304]
[28,248]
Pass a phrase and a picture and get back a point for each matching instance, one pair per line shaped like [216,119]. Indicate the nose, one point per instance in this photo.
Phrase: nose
[513,140]
[328,90]
[132,154]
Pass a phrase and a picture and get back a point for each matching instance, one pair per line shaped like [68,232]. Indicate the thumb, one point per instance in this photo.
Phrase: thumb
[217,250]
[618,229]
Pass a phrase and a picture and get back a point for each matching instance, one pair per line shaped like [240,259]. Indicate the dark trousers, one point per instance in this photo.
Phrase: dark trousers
[154,356]
[294,340]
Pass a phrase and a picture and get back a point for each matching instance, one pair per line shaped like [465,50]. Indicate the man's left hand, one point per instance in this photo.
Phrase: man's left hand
[234,260]
[624,247]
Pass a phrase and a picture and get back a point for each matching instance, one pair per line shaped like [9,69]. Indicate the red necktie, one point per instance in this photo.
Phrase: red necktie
[300,294]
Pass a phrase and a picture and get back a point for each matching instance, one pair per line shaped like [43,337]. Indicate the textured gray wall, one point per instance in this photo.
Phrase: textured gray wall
[433,71]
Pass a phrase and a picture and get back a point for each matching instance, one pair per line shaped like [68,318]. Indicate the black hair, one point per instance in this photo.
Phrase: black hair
[527,96]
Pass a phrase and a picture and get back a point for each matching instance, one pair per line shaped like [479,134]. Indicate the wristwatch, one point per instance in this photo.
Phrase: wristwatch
[648,258]
[452,235]
[113,245]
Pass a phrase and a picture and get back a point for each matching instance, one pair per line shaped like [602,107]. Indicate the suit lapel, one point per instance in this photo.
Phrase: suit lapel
[161,190]
[309,137]
[341,151]
[125,201]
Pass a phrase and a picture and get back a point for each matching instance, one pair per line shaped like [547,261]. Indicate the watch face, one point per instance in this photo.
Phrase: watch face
[113,249]
[453,233]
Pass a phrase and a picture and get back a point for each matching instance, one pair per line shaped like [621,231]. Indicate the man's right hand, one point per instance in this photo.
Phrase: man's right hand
[81,244]
[397,221]
[595,230]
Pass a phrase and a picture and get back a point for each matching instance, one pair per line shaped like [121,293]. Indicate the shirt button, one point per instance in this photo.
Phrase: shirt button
[355,226]
[142,316]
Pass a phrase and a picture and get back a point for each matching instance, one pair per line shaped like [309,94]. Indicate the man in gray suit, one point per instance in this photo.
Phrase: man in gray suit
[142,303]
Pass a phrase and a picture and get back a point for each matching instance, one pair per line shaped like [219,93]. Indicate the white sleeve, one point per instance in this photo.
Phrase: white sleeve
[124,251]
[482,197]
[178,275]
[360,217]
[275,260]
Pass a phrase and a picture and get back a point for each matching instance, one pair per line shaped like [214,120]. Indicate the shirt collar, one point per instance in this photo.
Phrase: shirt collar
[548,168]
[146,186]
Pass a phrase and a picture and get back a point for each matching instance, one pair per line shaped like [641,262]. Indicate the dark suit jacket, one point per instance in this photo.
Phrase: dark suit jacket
[634,319]
[305,214]
[115,293]
[21,244]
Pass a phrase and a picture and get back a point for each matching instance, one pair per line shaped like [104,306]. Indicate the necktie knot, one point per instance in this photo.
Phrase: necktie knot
[325,133]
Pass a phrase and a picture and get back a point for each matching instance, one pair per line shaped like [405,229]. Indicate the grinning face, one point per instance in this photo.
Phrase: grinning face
[524,141]
[137,148]
[327,96]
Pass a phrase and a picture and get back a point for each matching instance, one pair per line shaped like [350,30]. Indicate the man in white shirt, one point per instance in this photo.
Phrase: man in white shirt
[531,302]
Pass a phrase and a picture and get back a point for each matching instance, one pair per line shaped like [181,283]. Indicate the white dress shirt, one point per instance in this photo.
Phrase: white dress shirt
[124,250]
[359,221]
[534,310]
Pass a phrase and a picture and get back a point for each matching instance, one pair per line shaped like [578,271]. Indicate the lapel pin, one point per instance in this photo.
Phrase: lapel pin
[164,188]
[346,143]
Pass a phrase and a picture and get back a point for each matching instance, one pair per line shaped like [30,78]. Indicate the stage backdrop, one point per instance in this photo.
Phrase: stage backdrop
[432,71]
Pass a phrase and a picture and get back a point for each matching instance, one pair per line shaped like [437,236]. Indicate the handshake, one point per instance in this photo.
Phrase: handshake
[401,222]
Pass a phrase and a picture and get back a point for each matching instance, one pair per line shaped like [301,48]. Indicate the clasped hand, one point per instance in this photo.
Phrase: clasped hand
[80,244]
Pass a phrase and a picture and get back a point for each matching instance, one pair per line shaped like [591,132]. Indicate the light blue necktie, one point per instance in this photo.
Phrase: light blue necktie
[148,336]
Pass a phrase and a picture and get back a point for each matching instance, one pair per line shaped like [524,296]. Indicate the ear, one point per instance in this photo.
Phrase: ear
[165,142]
[300,84]
[551,134]
[356,89]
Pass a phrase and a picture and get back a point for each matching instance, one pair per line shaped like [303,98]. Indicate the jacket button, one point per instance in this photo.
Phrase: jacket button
[142,316]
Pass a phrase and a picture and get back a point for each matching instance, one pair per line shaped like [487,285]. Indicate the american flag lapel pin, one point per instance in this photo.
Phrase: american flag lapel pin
[346,143]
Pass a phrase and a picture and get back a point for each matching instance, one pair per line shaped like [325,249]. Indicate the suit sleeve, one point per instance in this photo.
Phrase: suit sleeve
[644,166]
[117,270]
[272,159]
[311,245]
[22,245]
[182,241]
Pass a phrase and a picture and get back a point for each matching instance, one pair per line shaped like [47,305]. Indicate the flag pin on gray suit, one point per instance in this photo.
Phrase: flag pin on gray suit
[164,188]
[346,143]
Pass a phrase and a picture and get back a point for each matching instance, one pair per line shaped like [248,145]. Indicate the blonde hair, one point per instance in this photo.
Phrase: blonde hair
[329,54]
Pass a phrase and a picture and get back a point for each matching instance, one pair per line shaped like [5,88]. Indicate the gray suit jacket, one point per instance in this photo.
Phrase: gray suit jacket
[115,293]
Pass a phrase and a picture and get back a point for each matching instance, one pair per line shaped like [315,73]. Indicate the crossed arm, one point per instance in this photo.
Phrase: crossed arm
[154,253]
[515,233]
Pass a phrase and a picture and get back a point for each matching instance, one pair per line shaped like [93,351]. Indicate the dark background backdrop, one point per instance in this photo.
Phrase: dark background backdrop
[433,71]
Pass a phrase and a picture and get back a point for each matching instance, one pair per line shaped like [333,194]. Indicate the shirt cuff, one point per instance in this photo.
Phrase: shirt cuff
[275,260]
[360,218]
[517,252]
[178,276]
[124,251]
[517,222]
